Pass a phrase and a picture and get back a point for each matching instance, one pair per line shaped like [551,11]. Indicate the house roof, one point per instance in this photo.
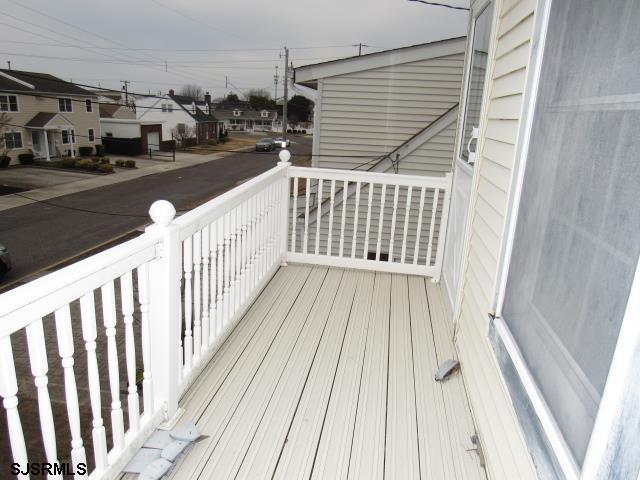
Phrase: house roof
[20,81]
[246,114]
[42,119]
[232,105]
[186,102]
[308,75]
[107,110]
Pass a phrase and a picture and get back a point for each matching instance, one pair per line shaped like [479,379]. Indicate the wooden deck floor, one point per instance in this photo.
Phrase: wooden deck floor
[330,376]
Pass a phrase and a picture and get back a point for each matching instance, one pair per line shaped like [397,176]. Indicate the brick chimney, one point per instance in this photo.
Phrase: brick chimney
[207,99]
[171,92]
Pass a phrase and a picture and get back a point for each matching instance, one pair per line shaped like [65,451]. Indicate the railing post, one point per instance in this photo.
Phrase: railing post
[164,303]
[442,231]
[284,162]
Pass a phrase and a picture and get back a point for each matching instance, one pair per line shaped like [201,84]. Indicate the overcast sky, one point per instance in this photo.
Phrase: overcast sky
[248,35]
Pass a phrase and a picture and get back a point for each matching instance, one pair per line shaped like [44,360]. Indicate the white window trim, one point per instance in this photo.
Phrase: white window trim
[19,133]
[169,107]
[88,105]
[8,106]
[237,113]
[71,137]
[91,131]
[70,104]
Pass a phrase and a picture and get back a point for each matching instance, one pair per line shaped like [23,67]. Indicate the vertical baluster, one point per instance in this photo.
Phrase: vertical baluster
[332,200]
[255,241]
[273,226]
[318,216]
[233,261]
[354,239]
[89,335]
[416,248]
[187,257]
[220,275]
[180,324]
[238,258]
[143,299]
[243,251]
[306,215]
[227,269]
[250,248]
[345,196]
[197,296]
[294,214]
[368,225]
[126,292]
[213,280]
[393,223]
[434,208]
[65,349]
[109,319]
[407,209]
[381,220]
[9,392]
[205,289]
[261,235]
[39,369]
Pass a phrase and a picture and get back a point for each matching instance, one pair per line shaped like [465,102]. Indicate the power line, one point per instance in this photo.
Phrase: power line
[436,4]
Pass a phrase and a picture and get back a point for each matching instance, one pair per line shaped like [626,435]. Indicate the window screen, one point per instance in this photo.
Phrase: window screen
[475,87]
[578,232]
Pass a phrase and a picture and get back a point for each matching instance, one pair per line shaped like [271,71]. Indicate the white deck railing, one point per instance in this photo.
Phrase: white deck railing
[179,288]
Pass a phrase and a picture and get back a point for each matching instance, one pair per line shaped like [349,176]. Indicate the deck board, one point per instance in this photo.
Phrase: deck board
[329,375]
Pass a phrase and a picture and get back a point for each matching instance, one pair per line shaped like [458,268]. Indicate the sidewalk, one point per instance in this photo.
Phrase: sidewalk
[145,167]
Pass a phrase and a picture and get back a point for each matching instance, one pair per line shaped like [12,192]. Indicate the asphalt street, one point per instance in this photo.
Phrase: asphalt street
[41,235]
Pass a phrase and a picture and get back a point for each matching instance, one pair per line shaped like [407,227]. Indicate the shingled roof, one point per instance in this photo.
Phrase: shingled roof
[186,102]
[28,82]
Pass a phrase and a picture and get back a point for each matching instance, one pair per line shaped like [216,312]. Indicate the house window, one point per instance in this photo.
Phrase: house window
[264,114]
[182,128]
[576,245]
[164,107]
[92,135]
[66,138]
[108,134]
[170,107]
[13,140]
[88,105]
[64,104]
[475,83]
[8,103]
[236,113]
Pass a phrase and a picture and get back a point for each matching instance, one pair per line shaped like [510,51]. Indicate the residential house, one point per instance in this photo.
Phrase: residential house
[47,115]
[287,352]
[181,116]
[247,119]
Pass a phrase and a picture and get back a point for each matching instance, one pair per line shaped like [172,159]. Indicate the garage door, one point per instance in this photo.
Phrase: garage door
[153,141]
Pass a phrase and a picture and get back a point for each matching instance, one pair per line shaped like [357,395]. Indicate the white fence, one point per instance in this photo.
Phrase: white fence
[177,290]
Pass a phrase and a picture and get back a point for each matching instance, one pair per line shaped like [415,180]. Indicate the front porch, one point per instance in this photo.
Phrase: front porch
[322,368]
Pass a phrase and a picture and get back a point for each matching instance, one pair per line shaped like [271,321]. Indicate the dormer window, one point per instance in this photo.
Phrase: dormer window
[264,114]
[170,107]
[164,107]
[236,113]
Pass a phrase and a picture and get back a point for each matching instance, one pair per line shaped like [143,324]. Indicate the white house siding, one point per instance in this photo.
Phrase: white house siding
[502,439]
[149,110]
[374,111]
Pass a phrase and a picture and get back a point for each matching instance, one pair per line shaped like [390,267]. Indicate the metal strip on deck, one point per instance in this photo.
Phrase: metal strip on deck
[367,451]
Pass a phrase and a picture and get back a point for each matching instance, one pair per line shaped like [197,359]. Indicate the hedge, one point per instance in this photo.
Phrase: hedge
[4,161]
[85,151]
[26,158]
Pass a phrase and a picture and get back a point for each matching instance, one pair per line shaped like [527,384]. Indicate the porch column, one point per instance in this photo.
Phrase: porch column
[46,145]
[72,140]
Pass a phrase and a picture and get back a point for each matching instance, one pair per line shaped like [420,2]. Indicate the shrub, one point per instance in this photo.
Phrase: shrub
[130,164]
[4,161]
[223,140]
[304,132]
[93,166]
[85,151]
[100,150]
[105,168]
[68,162]
[26,158]
[119,163]
[82,164]
[212,141]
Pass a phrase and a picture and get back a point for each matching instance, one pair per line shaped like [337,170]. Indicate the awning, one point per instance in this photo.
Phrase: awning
[48,121]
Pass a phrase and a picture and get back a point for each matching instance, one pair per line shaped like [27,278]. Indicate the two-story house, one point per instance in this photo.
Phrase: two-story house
[46,115]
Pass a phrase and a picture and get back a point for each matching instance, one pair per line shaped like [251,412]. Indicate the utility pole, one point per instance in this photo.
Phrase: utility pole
[126,91]
[9,64]
[275,84]
[359,45]
[285,97]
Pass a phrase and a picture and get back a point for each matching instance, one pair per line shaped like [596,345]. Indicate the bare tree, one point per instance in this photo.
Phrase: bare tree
[183,132]
[258,92]
[192,90]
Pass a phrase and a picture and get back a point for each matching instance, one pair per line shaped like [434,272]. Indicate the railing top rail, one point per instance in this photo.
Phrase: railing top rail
[206,213]
[25,304]
[371,177]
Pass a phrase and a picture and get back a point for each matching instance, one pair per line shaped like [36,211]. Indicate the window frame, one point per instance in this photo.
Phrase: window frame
[91,135]
[88,105]
[8,103]
[64,100]
[13,134]
[71,136]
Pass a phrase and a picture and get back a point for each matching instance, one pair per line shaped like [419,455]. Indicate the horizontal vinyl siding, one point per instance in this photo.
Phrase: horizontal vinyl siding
[370,113]
[504,445]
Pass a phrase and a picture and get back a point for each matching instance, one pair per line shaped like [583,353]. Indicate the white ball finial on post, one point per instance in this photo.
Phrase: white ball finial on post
[162,212]
[284,156]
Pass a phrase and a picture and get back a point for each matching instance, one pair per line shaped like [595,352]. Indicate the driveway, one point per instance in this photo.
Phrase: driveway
[33,177]
[41,235]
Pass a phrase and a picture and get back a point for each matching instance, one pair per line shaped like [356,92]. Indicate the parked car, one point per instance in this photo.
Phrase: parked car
[282,142]
[265,145]
[5,261]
